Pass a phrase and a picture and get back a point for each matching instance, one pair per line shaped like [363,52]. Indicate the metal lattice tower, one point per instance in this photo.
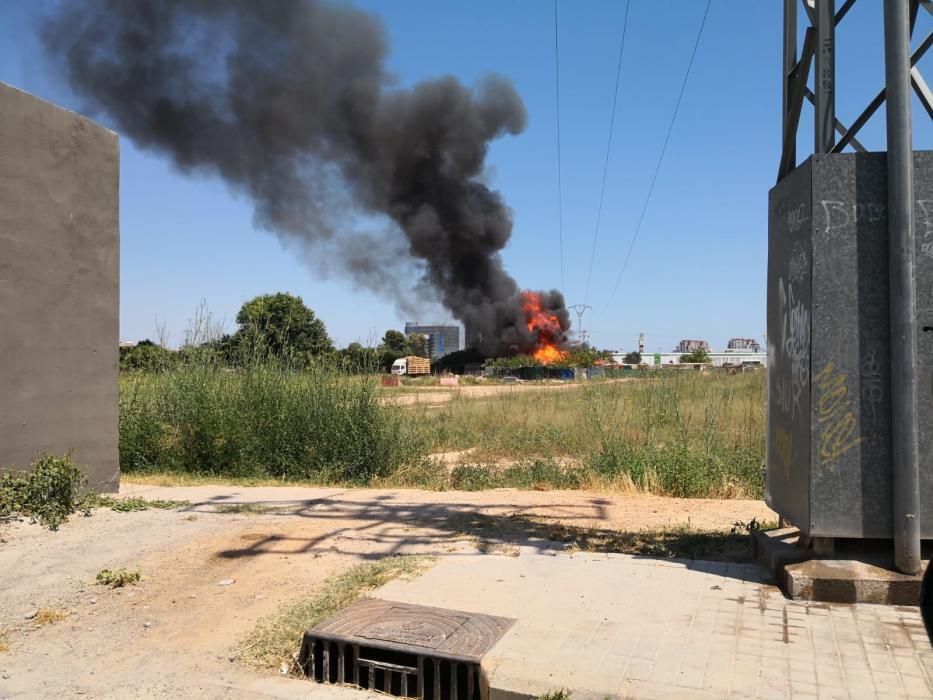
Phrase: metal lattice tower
[819,48]
[900,279]
[580,309]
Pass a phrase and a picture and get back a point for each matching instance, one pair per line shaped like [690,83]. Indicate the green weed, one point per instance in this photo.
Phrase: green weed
[129,505]
[117,578]
[48,493]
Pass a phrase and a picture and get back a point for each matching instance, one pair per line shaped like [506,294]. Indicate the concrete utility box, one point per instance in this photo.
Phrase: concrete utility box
[59,287]
[828,444]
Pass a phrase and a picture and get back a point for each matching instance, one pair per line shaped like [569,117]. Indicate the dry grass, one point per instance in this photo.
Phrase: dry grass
[4,647]
[275,640]
[685,434]
[160,478]
[49,616]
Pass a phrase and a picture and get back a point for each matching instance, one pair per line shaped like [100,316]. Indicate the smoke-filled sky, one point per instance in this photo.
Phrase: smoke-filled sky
[697,269]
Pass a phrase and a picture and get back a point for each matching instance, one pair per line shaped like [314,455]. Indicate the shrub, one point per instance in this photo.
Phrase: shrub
[48,493]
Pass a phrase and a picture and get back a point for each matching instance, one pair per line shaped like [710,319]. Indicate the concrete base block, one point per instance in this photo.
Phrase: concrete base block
[865,576]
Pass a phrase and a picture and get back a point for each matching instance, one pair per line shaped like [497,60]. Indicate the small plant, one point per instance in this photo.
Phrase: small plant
[47,494]
[128,505]
[562,694]
[248,508]
[740,528]
[49,616]
[118,578]
[3,644]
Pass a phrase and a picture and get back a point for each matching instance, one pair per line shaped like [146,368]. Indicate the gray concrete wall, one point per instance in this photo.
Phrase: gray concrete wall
[829,364]
[59,287]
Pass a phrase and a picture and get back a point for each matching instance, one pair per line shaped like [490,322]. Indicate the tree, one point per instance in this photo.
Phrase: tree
[395,341]
[358,358]
[632,358]
[146,356]
[282,325]
[417,344]
[698,356]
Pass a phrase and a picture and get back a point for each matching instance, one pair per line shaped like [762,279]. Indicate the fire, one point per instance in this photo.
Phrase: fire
[545,326]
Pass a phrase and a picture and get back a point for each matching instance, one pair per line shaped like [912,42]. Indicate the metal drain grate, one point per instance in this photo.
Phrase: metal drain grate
[409,651]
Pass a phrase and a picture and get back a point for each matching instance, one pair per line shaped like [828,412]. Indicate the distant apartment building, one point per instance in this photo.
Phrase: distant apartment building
[442,340]
[688,345]
[744,344]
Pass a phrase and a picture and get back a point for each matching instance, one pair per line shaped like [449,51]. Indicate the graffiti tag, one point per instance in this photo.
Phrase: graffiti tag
[838,428]
[795,344]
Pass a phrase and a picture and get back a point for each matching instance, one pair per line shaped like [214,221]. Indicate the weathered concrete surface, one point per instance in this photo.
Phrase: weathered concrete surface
[632,627]
[850,581]
[829,417]
[59,287]
[869,578]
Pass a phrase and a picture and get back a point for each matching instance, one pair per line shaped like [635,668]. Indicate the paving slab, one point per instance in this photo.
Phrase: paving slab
[635,627]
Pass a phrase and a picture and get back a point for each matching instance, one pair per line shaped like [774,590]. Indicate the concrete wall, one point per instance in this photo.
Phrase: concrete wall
[59,287]
[829,364]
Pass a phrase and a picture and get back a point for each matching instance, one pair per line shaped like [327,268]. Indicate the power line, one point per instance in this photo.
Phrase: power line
[560,197]
[657,169]
[612,119]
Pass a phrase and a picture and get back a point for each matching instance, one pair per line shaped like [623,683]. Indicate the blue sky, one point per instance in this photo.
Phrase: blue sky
[698,267]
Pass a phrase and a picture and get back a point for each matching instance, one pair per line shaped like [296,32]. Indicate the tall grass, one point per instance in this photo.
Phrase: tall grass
[261,420]
[675,433]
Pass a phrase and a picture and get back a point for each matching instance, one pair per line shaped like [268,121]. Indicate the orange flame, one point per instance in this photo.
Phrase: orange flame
[545,326]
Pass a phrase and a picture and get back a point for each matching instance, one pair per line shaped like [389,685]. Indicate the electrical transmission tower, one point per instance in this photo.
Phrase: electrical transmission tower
[850,424]
[580,309]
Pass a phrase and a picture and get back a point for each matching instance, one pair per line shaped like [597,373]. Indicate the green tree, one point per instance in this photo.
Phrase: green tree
[395,341]
[359,358]
[281,325]
[632,358]
[146,356]
[417,344]
[698,356]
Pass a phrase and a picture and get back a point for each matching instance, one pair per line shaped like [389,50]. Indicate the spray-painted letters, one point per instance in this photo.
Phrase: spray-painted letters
[838,427]
[839,215]
[799,264]
[795,345]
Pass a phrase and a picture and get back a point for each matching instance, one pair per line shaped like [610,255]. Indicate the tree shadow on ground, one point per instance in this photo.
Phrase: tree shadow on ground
[493,528]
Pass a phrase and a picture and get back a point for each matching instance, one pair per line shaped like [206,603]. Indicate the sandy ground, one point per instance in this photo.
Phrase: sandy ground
[438,395]
[173,634]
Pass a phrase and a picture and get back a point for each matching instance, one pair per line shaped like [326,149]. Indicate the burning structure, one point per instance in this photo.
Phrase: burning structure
[290,103]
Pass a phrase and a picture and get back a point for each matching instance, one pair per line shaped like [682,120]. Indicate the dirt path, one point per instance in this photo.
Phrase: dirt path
[173,634]
[437,395]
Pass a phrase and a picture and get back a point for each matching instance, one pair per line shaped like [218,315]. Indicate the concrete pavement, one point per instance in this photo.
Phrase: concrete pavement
[622,626]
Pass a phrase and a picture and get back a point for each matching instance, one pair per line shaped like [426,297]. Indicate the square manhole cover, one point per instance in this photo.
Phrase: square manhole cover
[401,649]
[415,626]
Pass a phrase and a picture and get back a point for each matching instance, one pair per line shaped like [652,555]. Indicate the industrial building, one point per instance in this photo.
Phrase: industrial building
[744,344]
[718,358]
[740,352]
[689,345]
[442,340]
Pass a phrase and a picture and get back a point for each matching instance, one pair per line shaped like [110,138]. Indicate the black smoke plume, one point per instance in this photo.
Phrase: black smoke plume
[291,104]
